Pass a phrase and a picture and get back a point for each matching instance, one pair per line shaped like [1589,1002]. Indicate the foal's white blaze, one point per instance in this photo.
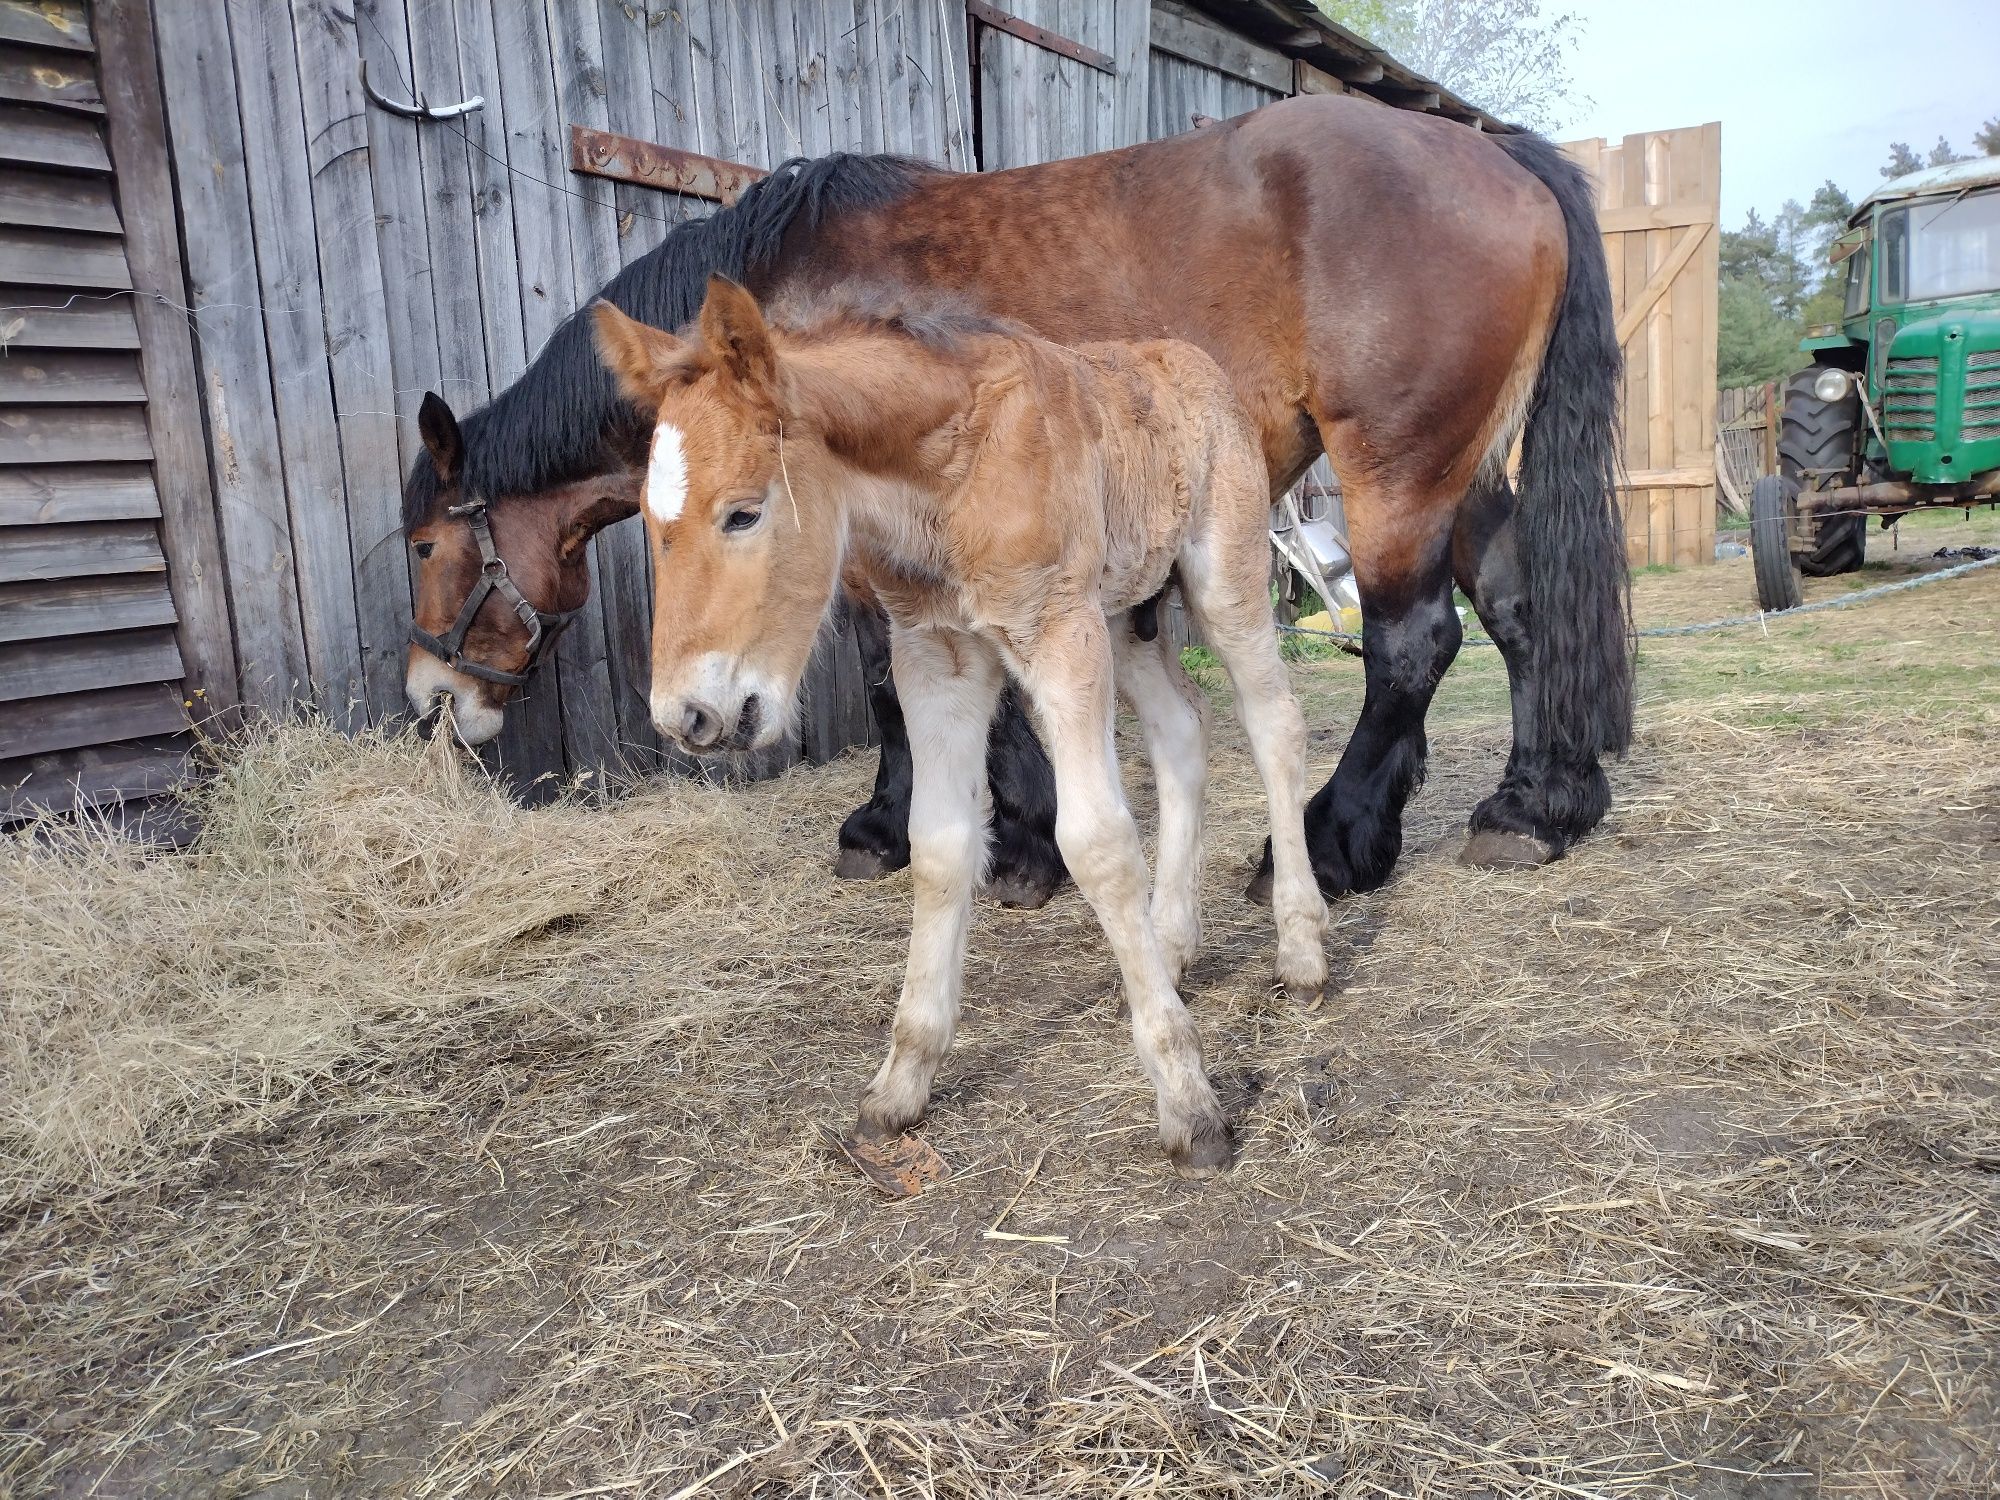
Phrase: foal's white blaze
[667,474]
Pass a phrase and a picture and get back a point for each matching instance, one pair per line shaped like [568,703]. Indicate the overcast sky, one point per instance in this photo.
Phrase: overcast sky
[1805,89]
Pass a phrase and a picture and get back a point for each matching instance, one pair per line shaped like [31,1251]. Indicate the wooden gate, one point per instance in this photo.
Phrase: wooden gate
[113,622]
[1658,195]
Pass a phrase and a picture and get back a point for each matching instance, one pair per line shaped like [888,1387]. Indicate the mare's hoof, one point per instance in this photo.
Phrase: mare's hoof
[1209,1154]
[1020,892]
[861,864]
[1258,891]
[1498,849]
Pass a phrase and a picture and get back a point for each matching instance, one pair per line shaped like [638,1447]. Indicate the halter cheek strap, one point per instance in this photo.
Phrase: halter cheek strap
[542,627]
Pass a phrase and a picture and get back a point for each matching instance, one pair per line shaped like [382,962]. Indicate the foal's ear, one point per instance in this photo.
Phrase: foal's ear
[439,429]
[642,359]
[733,328]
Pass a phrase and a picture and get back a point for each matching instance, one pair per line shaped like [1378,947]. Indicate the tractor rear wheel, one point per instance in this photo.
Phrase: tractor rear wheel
[1772,504]
[1821,436]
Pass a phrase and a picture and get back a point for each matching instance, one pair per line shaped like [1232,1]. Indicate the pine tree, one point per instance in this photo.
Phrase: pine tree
[1902,160]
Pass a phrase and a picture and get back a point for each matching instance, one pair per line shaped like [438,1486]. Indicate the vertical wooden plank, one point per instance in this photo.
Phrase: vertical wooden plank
[343,201]
[1706,270]
[424,211]
[534,142]
[288,285]
[1131,33]
[575,82]
[1631,188]
[956,65]
[1660,393]
[396,178]
[135,130]
[234,373]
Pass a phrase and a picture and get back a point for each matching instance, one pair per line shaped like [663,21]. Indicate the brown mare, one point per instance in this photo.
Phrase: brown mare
[1387,286]
[1001,496]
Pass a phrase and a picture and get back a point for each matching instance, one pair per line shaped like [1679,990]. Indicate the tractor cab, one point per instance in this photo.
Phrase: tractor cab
[1900,408]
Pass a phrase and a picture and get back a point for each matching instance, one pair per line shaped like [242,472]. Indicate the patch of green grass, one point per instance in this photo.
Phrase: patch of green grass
[1939,517]
[1201,664]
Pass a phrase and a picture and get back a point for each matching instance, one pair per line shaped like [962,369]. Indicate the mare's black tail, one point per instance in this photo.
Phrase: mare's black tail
[1568,522]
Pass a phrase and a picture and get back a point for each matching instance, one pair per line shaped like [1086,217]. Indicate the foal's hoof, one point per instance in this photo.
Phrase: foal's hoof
[1304,993]
[1258,891]
[1498,849]
[861,864]
[1208,1152]
[1020,892]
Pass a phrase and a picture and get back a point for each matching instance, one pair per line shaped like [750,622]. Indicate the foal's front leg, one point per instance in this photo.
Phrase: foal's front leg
[949,683]
[1069,677]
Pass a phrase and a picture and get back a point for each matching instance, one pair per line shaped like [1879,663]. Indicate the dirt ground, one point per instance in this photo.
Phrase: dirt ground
[374,1151]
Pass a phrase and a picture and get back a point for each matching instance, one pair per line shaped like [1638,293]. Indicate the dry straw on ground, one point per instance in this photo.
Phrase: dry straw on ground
[398,1140]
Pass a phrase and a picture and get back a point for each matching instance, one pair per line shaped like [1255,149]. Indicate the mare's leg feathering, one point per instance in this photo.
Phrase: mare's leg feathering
[1545,799]
[1402,563]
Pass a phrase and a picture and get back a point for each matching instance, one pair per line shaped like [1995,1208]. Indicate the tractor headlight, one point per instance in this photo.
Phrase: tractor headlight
[1832,385]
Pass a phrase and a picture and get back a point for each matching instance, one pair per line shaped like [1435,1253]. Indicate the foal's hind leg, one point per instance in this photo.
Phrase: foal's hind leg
[1069,677]
[1173,713]
[1543,804]
[949,684]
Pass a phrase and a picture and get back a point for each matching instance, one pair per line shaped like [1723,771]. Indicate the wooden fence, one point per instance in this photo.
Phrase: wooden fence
[1658,195]
[1746,440]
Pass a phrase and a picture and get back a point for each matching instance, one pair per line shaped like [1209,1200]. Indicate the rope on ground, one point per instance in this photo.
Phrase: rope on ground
[1733,621]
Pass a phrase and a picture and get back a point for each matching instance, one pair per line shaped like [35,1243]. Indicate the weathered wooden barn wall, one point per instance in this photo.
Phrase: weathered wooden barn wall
[342,261]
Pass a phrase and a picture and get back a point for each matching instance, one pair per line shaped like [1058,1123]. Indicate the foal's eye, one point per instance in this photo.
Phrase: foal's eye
[424,548]
[741,518]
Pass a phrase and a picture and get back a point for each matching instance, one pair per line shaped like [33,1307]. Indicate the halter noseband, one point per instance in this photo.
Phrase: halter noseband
[543,627]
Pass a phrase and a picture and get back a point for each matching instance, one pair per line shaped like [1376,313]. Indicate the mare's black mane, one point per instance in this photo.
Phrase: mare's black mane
[548,427]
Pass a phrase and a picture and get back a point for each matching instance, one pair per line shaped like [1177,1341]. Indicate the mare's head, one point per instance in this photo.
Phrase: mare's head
[746,549]
[518,562]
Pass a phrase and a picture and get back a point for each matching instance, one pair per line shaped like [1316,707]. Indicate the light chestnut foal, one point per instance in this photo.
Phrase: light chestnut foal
[1008,500]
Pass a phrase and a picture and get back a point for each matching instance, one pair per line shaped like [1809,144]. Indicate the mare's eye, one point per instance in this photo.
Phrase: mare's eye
[424,548]
[742,518]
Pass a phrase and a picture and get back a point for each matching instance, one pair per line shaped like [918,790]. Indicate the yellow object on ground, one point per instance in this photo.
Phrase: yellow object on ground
[1349,622]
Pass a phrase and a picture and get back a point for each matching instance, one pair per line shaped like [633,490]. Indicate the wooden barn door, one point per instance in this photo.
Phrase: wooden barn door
[113,624]
[1057,78]
[1658,198]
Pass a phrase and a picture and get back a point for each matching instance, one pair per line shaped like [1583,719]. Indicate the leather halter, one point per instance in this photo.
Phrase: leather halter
[543,627]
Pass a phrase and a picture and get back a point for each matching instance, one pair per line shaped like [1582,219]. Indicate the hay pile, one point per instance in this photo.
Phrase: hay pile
[396,1140]
[344,902]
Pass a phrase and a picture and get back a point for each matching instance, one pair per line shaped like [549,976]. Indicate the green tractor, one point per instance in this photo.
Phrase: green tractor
[1900,408]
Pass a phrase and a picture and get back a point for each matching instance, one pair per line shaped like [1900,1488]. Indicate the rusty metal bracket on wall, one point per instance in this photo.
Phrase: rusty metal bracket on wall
[418,110]
[1040,36]
[603,153]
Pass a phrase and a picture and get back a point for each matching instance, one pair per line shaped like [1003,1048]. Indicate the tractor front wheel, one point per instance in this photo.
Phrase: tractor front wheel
[1772,504]
[1819,438]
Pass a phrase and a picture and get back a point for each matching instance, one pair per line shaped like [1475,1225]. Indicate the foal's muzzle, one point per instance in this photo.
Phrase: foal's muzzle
[704,728]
